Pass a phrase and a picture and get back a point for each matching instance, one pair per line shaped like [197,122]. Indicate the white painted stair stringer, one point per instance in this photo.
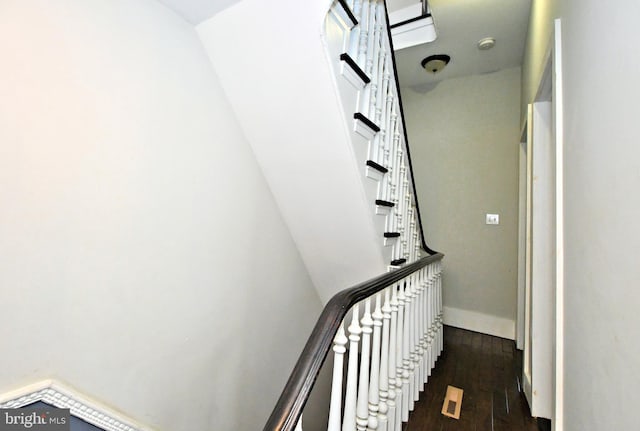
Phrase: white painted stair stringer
[283,91]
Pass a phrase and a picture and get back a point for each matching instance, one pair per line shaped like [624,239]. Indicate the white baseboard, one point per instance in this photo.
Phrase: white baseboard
[480,322]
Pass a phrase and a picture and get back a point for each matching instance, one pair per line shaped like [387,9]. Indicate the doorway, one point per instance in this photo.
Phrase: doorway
[540,277]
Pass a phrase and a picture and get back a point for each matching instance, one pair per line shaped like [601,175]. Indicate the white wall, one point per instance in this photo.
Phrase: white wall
[277,76]
[142,257]
[602,235]
[464,138]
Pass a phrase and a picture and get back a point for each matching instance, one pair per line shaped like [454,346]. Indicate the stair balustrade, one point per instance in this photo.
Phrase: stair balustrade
[390,329]
[360,46]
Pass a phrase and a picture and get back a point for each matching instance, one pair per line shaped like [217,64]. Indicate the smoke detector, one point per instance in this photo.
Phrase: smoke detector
[435,63]
[486,43]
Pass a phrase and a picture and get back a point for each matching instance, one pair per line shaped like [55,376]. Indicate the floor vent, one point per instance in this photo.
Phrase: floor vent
[452,402]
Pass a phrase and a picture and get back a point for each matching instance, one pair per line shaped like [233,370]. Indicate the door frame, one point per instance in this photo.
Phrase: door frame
[550,89]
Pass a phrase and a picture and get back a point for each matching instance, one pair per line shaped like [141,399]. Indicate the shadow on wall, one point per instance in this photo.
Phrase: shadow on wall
[424,88]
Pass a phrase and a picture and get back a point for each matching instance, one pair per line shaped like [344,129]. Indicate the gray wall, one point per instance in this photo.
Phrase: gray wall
[602,208]
[464,138]
[143,259]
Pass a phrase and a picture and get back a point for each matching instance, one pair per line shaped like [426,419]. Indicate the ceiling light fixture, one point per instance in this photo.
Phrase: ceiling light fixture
[486,43]
[435,63]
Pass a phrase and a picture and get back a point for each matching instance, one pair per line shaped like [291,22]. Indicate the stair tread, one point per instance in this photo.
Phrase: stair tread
[384,203]
[377,166]
[348,11]
[370,124]
[354,66]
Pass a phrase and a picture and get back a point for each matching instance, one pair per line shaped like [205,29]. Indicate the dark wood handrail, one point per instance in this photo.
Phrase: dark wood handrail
[288,409]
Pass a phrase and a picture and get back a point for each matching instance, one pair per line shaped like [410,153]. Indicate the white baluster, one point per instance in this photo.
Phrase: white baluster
[428,335]
[417,362]
[339,348]
[383,119]
[299,424]
[349,420]
[402,381]
[405,206]
[399,195]
[423,327]
[388,132]
[362,420]
[374,381]
[440,311]
[354,35]
[413,236]
[363,23]
[374,148]
[410,226]
[391,165]
[380,59]
[433,330]
[368,66]
[371,19]
[373,50]
[409,351]
[393,346]
[436,321]
[413,352]
[383,407]
[405,368]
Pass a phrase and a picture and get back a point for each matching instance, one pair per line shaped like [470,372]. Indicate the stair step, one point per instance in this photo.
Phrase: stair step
[384,203]
[377,167]
[346,14]
[398,262]
[409,21]
[359,116]
[391,234]
[353,66]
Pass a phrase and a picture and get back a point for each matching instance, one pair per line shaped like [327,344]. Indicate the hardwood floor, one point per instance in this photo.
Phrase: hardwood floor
[488,369]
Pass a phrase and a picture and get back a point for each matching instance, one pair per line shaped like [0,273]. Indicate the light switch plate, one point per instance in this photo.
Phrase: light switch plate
[493,219]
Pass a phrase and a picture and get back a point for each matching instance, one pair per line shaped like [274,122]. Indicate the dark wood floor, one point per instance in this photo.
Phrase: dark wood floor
[488,369]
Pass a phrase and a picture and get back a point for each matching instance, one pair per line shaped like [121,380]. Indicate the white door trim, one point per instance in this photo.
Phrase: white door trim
[558,415]
[550,89]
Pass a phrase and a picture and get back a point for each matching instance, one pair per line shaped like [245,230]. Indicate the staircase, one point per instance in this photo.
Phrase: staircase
[327,153]
[387,330]
[360,48]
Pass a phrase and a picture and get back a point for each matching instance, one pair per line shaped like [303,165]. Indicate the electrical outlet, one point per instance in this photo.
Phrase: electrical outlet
[493,219]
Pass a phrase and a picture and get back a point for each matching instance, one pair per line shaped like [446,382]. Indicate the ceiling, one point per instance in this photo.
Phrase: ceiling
[460,24]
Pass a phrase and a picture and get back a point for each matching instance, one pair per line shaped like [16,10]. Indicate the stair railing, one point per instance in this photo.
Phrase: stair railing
[392,338]
[367,51]
[388,330]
